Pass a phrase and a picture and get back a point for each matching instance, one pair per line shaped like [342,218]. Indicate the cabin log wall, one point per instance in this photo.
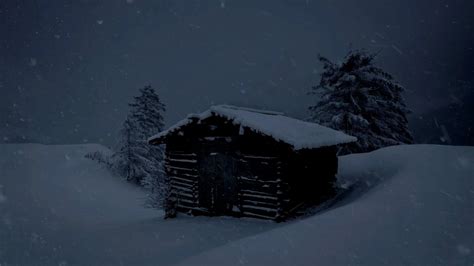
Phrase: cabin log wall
[182,176]
[272,178]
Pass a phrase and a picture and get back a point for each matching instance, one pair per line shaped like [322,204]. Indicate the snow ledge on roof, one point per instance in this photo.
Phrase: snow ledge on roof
[297,133]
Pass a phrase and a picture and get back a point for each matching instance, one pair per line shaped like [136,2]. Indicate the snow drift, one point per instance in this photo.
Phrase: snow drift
[409,205]
[59,208]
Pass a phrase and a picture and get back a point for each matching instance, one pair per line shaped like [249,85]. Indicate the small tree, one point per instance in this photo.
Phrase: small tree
[131,160]
[136,160]
[361,100]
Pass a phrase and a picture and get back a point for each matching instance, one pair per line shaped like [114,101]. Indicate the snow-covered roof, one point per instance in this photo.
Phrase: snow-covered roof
[297,133]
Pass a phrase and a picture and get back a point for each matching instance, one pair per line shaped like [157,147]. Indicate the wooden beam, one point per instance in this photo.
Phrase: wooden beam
[186,170]
[191,181]
[181,184]
[257,215]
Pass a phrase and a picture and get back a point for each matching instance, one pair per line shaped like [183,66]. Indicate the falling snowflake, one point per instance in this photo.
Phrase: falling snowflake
[463,250]
[32,62]
[3,198]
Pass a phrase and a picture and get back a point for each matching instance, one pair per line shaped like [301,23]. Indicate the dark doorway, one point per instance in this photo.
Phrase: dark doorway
[218,190]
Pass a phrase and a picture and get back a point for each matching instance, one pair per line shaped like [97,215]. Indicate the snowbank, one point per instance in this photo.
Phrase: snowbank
[59,208]
[412,205]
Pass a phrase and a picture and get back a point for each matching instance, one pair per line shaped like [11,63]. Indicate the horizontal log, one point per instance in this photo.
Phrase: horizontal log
[260,164]
[182,184]
[190,176]
[184,179]
[180,188]
[262,183]
[264,196]
[178,164]
[252,208]
[256,192]
[181,163]
[187,201]
[181,153]
[183,156]
[259,157]
[181,192]
[259,216]
[200,209]
[268,188]
[191,161]
[181,195]
[189,180]
[185,207]
[268,214]
[181,169]
[261,204]
[262,171]
[258,180]
[250,196]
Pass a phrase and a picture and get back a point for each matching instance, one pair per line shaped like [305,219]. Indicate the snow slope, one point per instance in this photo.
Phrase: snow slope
[59,208]
[411,205]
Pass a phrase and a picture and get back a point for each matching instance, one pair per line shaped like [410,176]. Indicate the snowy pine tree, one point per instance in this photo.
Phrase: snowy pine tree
[131,159]
[361,100]
[136,160]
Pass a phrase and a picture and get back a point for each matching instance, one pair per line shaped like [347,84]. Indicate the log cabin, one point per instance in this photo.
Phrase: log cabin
[247,163]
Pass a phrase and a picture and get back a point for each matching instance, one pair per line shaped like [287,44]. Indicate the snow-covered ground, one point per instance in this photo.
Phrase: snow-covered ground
[411,205]
[59,208]
[414,205]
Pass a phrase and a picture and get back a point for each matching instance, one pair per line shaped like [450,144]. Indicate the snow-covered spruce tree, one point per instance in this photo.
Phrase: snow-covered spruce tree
[136,160]
[130,160]
[361,100]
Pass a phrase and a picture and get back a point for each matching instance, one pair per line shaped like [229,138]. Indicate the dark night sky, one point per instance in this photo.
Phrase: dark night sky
[72,66]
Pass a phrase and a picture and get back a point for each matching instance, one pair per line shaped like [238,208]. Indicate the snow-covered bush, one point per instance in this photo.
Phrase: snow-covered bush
[100,157]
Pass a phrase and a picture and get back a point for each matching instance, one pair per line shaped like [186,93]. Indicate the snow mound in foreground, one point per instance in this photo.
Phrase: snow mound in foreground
[59,208]
[411,205]
[59,181]
[52,198]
